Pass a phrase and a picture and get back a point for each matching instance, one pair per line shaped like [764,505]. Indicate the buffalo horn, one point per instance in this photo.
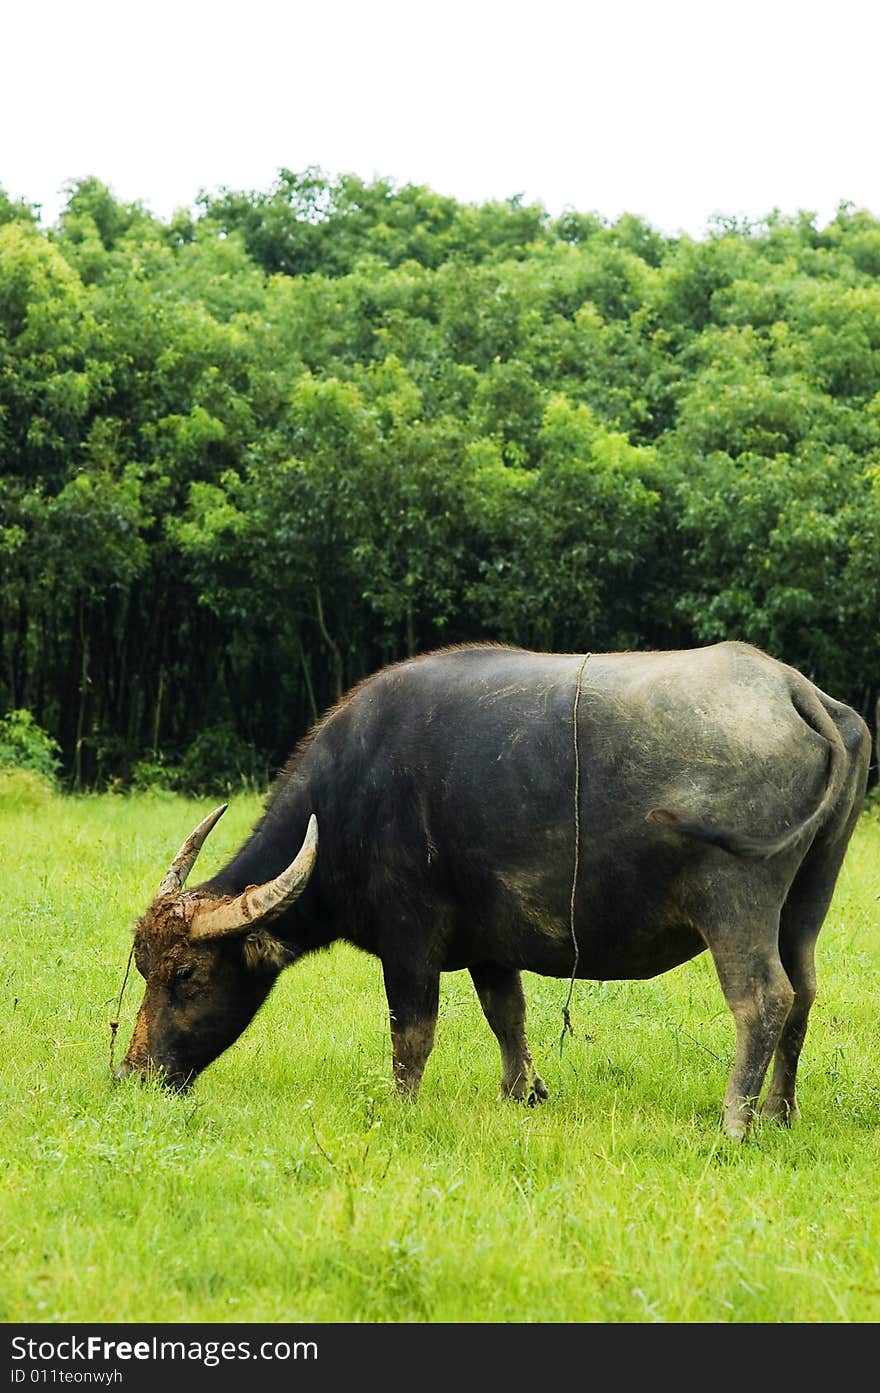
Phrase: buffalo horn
[186,857]
[258,902]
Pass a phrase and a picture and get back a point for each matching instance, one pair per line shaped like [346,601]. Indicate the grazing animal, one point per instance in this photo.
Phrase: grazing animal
[718,789]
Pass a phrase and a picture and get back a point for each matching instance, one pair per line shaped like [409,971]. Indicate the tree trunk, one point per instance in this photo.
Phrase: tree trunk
[83,698]
[331,644]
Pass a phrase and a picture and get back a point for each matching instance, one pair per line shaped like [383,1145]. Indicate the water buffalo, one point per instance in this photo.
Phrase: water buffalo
[717,792]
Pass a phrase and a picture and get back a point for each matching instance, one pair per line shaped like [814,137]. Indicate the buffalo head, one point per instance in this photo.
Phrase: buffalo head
[208,962]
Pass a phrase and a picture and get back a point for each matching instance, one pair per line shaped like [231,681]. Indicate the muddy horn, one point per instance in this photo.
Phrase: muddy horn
[259,902]
[185,859]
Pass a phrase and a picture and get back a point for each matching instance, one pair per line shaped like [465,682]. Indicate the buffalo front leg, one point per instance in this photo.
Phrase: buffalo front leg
[413,997]
[504,1005]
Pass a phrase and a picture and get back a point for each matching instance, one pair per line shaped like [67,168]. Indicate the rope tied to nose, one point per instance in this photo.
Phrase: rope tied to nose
[567,1028]
[114,1019]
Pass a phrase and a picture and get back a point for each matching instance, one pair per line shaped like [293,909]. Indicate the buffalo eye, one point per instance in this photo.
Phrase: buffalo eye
[181,973]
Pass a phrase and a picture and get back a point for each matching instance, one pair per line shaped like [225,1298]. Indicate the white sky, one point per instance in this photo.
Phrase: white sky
[675,110]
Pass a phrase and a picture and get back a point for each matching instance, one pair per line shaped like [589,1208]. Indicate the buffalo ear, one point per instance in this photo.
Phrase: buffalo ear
[262,950]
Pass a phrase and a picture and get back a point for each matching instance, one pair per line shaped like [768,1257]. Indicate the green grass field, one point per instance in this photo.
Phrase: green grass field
[291,1185]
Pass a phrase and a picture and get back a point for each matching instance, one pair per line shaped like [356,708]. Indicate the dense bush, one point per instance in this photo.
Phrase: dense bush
[217,762]
[249,456]
[24,745]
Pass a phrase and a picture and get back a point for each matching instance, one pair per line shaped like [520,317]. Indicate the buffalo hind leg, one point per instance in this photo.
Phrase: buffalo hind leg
[802,917]
[504,1006]
[412,1004]
[804,913]
[780,1104]
[760,996]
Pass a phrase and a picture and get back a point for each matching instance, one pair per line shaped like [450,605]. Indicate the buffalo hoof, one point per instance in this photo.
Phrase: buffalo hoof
[737,1119]
[780,1110]
[530,1091]
[737,1132]
[537,1093]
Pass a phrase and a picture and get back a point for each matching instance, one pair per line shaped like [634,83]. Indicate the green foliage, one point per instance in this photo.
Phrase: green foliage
[152,776]
[252,454]
[310,223]
[25,789]
[219,761]
[15,210]
[25,745]
[565,541]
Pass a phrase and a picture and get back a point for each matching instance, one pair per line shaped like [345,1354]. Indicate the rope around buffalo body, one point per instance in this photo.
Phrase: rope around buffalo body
[114,1019]
[575,735]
